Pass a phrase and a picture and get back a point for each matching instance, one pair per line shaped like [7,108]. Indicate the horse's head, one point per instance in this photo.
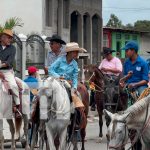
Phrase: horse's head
[53,96]
[117,133]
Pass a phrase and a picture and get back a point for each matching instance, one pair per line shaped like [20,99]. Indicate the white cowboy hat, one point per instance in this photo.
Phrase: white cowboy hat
[70,47]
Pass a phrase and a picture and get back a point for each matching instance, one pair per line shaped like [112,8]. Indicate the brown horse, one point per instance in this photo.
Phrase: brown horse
[93,74]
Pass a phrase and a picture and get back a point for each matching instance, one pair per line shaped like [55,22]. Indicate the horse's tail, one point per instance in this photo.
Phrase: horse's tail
[18,123]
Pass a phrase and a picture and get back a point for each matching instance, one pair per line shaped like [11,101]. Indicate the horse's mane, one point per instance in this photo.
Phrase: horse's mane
[139,106]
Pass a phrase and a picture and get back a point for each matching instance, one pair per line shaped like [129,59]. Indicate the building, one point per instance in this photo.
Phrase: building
[117,38]
[73,20]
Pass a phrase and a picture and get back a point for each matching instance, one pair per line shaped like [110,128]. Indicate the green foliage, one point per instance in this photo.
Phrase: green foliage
[114,22]
[11,23]
[142,25]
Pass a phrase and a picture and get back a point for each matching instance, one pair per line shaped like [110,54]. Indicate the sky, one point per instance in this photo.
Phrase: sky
[128,11]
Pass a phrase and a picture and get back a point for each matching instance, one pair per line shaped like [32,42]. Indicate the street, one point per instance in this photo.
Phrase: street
[91,141]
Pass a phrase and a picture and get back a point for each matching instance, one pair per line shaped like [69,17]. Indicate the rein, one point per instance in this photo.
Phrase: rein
[88,81]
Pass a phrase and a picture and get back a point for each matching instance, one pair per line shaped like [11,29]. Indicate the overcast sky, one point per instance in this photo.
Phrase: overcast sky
[128,11]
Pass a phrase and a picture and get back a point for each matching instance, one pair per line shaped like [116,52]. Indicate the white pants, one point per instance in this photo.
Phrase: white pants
[9,76]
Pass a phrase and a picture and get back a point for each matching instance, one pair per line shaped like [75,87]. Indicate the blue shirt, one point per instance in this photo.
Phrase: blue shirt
[140,70]
[32,83]
[51,57]
[61,68]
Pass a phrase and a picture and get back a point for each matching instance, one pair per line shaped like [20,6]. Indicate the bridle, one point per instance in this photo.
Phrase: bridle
[138,135]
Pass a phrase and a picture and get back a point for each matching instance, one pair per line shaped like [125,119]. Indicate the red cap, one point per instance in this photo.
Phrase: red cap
[32,69]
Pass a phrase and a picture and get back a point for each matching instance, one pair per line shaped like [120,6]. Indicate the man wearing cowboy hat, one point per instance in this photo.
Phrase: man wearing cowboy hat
[110,65]
[56,50]
[7,58]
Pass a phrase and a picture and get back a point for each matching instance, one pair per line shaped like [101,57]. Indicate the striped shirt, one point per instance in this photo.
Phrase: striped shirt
[51,57]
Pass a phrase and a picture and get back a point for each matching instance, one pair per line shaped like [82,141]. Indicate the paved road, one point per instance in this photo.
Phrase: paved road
[91,138]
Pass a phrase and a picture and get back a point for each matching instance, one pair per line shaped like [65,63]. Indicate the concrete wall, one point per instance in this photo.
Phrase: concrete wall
[30,11]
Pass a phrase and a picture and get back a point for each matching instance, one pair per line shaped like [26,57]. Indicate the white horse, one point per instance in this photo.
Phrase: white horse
[6,106]
[55,107]
[136,117]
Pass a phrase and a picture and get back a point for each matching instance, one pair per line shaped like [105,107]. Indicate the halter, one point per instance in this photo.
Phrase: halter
[138,135]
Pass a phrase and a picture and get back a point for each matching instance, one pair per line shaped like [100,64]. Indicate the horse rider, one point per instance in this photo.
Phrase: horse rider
[7,58]
[66,67]
[137,66]
[33,84]
[32,81]
[57,50]
[138,69]
[110,65]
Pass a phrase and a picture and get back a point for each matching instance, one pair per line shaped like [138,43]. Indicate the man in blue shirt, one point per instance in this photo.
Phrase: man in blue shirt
[137,66]
[137,70]
[57,50]
[31,80]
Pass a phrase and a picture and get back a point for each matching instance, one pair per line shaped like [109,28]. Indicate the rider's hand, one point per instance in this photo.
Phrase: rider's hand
[46,70]
[132,85]
[122,84]
[74,91]
[104,69]
[61,78]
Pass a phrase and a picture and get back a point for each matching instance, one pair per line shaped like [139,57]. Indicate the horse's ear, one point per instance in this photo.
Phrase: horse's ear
[108,113]
[124,116]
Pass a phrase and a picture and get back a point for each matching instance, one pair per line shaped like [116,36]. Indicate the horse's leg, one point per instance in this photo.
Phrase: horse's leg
[83,134]
[34,135]
[42,133]
[62,140]
[12,130]
[50,137]
[26,123]
[1,135]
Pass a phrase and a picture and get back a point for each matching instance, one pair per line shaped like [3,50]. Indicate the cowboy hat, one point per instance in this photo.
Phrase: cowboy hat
[7,32]
[70,47]
[56,38]
[107,50]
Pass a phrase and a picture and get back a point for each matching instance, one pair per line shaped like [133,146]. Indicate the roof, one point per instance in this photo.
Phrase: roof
[123,30]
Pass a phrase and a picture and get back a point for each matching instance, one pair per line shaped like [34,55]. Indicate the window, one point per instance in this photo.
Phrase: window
[127,36]
[134,37]
[48,13]
[118,36]
[118,48]
[105,40]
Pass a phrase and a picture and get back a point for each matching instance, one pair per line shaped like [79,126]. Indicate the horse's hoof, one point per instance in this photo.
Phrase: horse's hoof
[99,140]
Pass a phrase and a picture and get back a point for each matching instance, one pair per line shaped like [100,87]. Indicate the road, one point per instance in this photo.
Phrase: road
[91,137]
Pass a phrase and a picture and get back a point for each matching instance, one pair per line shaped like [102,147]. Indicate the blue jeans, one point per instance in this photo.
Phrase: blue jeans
[140,89]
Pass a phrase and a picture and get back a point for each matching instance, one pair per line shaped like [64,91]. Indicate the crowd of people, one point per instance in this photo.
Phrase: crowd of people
[61,63]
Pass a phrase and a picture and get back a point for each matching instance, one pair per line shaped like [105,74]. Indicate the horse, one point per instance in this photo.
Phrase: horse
[85,99]
[105,89]
[6,104]
[55,108]
[136,117]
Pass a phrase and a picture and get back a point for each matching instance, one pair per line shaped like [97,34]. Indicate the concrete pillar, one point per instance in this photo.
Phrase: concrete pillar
[60,17]
[90,39]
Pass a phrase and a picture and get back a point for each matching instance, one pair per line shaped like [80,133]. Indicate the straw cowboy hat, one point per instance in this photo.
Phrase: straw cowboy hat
[70,47]
[7,32]
[56,38]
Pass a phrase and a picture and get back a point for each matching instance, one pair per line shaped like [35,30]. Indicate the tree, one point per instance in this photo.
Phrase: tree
[114,22]
[142,25]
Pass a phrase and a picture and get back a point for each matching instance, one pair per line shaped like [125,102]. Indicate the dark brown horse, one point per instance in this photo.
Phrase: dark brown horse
[93,74]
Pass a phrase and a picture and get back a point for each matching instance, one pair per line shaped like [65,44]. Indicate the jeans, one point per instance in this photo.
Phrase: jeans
[140,89]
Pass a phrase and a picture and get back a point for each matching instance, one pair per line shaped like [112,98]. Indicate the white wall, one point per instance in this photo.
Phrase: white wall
[30,11]
[145,45]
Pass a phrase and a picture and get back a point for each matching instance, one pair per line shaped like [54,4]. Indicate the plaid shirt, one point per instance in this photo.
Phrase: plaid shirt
[51,57]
